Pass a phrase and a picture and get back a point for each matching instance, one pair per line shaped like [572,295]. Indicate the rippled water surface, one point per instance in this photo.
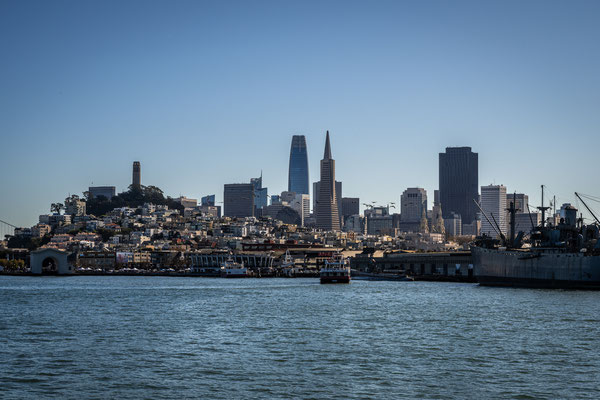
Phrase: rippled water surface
[161,337]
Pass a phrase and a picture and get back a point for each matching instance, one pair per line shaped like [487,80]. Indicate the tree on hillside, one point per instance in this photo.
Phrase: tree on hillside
[56,207]
[134,197]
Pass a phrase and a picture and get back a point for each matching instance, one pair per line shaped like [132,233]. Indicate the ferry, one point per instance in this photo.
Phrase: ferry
[336,270]
[232,269]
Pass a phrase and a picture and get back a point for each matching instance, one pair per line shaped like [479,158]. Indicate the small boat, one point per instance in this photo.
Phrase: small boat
[288,266]
[232,269]
[336,270]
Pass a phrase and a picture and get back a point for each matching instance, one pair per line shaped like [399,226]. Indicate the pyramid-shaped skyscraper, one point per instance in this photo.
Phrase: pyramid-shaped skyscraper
[327,207]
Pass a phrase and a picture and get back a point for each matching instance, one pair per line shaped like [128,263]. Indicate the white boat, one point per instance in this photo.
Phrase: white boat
[288,267]
[232,269]
[336,270]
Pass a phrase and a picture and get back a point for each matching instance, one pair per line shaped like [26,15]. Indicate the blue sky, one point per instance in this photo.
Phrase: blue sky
[207,93]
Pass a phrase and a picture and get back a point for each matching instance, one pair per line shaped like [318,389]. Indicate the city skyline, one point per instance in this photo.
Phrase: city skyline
[219,199]
[396,84]
[299,199]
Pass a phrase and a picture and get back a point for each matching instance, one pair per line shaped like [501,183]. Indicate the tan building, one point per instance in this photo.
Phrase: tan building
[40,230]
[75,207]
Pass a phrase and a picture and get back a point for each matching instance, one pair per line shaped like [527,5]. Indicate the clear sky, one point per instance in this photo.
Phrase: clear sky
[206,93]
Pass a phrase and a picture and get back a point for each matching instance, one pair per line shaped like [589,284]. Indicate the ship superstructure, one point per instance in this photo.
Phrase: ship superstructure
[565,255]
[232,269]
[335,270]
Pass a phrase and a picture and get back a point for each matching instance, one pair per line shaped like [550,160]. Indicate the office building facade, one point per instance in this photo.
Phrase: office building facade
[459,183]
[208,200]
[413,204]
[261,194]
[453,225]
[350,206]
[298,201]
[298,169]
[493,204]
[238,200]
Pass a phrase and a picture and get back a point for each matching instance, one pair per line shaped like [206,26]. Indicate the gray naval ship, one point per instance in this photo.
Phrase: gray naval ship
[565,255]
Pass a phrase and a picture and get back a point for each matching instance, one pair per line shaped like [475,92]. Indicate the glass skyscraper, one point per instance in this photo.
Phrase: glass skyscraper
[459,184]
[260,193]
[298,172]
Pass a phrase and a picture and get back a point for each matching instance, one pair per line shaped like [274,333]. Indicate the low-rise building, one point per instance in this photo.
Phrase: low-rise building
[96,260]
[40,230]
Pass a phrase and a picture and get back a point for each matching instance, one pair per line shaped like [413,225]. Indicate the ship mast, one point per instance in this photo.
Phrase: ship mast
[543,209]
[512,209]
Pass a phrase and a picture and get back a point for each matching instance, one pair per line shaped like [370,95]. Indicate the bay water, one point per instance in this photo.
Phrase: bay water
[170,337]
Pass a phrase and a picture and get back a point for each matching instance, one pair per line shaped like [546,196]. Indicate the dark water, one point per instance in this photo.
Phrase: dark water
[160,337]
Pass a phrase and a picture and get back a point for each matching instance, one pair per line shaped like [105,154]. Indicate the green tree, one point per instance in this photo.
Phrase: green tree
[56,207]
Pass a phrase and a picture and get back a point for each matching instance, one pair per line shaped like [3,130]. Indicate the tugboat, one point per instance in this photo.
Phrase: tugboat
[232,269]
[565,256]
[336,270]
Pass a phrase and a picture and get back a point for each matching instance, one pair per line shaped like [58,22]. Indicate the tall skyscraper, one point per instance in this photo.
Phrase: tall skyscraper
[137,180]
[298,172]
[238,200]
[327,208]
[260,193]
[493,204]
[458,183]
[338,195]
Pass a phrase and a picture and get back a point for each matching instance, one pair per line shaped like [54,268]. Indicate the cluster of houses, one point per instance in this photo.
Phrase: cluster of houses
[155,238]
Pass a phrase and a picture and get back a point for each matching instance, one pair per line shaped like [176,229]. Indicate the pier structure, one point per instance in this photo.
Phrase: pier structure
[420,266]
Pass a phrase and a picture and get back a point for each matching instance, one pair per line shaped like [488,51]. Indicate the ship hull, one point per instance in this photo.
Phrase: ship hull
[536,269]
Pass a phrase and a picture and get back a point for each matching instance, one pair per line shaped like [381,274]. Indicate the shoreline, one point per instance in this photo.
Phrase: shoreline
[371,277]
